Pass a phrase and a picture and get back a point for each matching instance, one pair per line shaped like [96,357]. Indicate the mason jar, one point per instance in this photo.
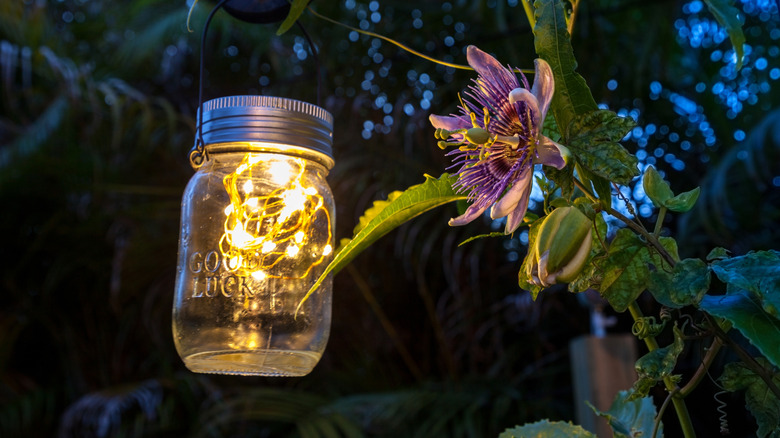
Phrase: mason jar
[257,228]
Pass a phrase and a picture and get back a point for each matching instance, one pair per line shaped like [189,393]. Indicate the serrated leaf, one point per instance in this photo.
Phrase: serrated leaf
[407,205]
[656,188]
[594,139]
[656,365]
[631,418]
[759,399]
[744,310]
[553,44]
[373,211]
[563,178]
[547,429]
[625,270]
[728,17]
[685,285]
[296,9]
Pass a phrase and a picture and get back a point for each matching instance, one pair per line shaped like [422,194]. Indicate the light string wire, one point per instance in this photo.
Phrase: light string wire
[406,48]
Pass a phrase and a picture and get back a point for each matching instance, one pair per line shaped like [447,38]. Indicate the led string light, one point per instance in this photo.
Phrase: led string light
[262,231]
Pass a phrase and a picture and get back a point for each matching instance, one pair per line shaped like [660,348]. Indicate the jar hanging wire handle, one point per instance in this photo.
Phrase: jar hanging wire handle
[198,154]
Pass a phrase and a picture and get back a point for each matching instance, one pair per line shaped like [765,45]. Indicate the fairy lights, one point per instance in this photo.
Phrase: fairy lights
[273,235]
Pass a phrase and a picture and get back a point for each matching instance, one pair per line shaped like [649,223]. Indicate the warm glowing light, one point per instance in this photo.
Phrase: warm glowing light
[280,172]
[266,233]
[267,247]
[239,237]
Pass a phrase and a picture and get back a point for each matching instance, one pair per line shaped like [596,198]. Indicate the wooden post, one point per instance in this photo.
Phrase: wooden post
[601,366]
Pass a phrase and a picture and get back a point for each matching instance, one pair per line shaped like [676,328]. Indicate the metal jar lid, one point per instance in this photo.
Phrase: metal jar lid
[268,124]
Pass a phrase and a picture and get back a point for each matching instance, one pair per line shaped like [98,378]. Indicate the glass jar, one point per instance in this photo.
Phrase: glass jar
[257,230]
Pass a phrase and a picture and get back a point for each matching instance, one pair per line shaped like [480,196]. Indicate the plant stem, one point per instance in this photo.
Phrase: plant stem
[679,404]
[659,222]
[661,411]
[652,240]
[749,361]
[703,368]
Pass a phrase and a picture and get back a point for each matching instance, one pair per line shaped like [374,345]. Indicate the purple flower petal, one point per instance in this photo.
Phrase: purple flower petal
[550,153]
[487,67]
[473,212]
[544,85]
[514,195]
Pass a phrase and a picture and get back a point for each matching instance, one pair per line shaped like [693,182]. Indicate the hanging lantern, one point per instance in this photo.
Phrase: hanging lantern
[257,230]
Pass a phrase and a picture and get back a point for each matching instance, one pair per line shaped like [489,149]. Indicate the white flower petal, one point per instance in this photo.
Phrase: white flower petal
[449,123]
[523,95]
[520,188]
[551,153]
[471,213]
[544,86]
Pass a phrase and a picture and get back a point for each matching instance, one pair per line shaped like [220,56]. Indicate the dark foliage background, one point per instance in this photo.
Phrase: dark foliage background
[97,103]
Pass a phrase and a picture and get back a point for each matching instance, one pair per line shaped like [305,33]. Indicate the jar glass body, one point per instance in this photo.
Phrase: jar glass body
[256,233]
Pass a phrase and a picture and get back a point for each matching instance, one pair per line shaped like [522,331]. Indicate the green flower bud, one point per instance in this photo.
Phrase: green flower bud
[561,247]
[477,136]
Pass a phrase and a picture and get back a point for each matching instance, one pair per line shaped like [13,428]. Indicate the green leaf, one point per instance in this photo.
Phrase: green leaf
[593,138]
[759,399]
[729,18]
[656,365]
[547,429]
[757,271]
[718,254]
[601,185]
[684,201]
[296,9]
[625,272]
[563,179]
[662,196]
[685,285]
[553,44]
[385,216]
[483,236]
[656,188]
[744,310]
[630,418]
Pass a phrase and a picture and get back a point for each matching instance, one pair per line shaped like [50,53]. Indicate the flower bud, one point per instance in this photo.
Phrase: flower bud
[561,247]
